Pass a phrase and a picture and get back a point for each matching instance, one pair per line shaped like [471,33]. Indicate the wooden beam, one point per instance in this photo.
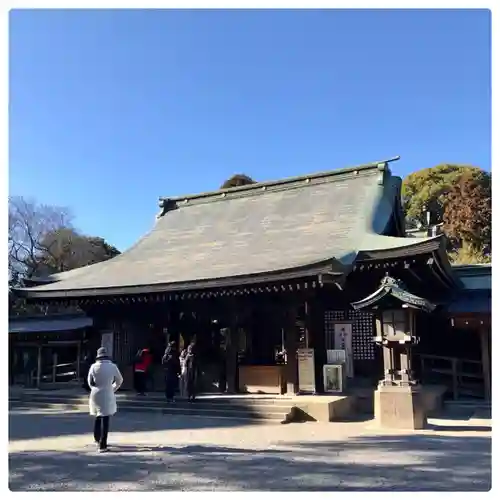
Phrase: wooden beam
[485,358]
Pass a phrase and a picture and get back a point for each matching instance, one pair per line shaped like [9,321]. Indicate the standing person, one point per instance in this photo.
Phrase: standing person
[191,369]
[171,367]
[148,365]
[183,377]
[104,379]
[141,370]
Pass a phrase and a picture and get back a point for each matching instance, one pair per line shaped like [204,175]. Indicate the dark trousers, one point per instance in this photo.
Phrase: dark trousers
[191,386]
[170,386]
[101,428]
[140,382]
[222,377]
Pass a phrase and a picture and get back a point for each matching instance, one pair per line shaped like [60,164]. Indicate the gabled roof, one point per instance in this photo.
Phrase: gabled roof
[395,289]
[295,227]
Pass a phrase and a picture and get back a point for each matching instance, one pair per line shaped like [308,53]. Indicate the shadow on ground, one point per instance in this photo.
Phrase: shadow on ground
[458,428]
[64,424]
[373,463]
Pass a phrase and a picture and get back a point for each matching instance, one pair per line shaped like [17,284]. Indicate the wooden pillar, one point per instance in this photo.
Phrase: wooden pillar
[231,345]
[39,367]
[316,327]
[78,359]
[54,366]
[486,362]
[292,375]
[231,360]
[173,327]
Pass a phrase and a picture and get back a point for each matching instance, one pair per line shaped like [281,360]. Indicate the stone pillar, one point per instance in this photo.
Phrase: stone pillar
[388,355]
[406,371]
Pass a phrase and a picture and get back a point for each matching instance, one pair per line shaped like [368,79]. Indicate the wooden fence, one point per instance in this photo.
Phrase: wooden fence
[463,377]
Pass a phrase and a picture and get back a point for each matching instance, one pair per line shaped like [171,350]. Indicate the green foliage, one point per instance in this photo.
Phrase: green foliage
[467,255]
[467,214]
[427,189]
[66,249]
[237,180]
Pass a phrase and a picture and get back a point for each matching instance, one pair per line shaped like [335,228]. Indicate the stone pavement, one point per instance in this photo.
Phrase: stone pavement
[53,451]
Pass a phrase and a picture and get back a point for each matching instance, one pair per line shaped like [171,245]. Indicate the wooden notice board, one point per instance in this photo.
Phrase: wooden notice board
[307,379]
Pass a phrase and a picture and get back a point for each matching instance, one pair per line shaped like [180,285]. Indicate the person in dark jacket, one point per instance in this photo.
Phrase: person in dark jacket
[172,368]
[191,372]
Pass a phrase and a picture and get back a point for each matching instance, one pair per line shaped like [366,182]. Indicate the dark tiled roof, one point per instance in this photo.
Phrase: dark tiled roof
[470,302]
[48,324]
[474,276]
[274,227]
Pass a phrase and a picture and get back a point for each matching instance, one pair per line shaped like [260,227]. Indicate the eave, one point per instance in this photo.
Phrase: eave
[391,287]
[327,271]
[432,250]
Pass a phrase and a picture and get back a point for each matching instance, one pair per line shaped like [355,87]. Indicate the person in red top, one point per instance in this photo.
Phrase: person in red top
[142,365]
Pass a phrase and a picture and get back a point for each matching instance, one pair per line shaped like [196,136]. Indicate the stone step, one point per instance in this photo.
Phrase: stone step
[466,404]
[208,403]
[274,409]
[202,401]
[188,409]
[150,403]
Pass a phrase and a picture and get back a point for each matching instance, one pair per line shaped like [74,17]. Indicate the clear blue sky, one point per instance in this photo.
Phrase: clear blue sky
[111,109]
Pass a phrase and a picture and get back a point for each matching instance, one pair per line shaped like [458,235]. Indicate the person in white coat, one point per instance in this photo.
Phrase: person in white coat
[104,379]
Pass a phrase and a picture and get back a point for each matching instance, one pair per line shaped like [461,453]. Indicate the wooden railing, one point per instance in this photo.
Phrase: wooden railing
[61,372]
[463,377]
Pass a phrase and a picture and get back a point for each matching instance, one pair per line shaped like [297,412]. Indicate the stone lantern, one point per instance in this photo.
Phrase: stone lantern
[398,399]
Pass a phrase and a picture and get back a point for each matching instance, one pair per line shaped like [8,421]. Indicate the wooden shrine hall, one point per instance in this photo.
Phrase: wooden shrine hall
[253,274]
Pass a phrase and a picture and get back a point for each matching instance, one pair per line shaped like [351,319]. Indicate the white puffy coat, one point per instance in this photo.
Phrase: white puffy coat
[104,379]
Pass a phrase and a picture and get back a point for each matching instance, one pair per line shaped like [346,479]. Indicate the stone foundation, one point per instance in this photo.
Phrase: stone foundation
[400,407]
[323,408]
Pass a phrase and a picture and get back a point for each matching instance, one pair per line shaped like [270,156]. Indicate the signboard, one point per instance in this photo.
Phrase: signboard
[343,342]
[333,378]
[307,382]
[107,342]
[335,356]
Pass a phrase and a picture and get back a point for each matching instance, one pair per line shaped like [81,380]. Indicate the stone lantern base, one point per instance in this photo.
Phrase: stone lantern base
[400,407]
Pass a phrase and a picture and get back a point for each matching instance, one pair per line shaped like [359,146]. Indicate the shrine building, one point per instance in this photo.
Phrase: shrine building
[257,273]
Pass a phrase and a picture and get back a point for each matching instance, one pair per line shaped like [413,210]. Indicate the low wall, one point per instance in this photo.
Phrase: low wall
[261,379]
[323,408]
[432,398]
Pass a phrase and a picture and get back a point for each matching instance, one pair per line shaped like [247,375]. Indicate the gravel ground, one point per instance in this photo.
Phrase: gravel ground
[51,451]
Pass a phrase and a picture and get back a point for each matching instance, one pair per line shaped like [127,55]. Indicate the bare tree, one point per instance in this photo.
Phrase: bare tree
[43,241]
[29,225]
